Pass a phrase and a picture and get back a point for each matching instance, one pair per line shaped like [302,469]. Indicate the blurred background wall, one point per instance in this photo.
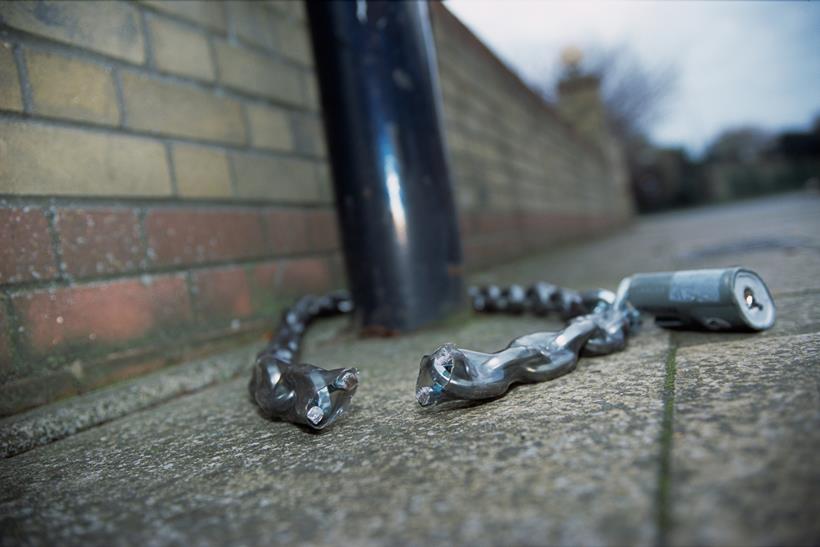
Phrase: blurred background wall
[527,174]
[164,188]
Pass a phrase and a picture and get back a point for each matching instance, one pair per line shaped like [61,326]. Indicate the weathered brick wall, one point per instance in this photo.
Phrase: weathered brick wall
[164,183]
[525,177]
[164,187]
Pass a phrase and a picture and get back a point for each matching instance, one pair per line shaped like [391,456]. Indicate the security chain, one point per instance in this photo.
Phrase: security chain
[599,322]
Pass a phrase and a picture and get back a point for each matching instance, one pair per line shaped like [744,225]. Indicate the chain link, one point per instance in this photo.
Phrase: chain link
[302,393]
[598,324]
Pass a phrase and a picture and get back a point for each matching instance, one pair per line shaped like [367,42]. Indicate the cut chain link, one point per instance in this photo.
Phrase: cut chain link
[299,392]
[599,322]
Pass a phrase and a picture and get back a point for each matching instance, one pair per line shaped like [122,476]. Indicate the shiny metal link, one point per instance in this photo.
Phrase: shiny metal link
[539,299]
[599,323]
[302,393]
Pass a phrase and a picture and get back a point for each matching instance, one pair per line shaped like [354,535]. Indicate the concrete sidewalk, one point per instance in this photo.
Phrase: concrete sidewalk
[684,438]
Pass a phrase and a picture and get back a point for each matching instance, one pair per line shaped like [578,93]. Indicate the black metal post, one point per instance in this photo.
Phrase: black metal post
[381,106]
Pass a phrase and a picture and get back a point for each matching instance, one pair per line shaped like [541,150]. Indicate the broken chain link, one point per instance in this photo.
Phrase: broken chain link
[302,393]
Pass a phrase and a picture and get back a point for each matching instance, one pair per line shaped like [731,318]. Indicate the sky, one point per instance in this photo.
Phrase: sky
[736,63]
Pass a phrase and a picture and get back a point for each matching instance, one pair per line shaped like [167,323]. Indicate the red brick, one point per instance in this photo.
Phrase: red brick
[484,251]
[264,287]
[337,271]
[492,223]
[293,231]
[288,231]
[99,241]
[476,254]
[466,223]
[180,236]
[305,275]
[485,223]
[263,276]
[25,246]
[222,294]
[545,229]
[101,313]
[323,230]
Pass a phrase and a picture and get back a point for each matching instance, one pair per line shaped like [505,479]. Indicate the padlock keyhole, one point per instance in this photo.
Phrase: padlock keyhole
[751,301]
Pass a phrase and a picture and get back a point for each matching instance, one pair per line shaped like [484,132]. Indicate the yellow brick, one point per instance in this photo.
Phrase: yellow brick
[290,8]
[10,98]
[294,41]
[110,28]
[201,172]
[43,160]
[309,135]
[312,98]
[276,179]
[180,50]
[65,87]
[258,74]
[270,128]
[325,181]
[253,22]
[466,196]
[207,13]
[174,109]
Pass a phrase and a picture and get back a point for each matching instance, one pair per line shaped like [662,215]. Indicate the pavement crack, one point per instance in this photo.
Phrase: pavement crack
[663,517]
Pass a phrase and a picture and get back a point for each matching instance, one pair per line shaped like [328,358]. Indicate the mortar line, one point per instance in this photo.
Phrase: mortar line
[31,40]
[53,219]
[120,98]
[147,38]
[26,94]
[15,336]
[162,270]
[179,20]
[246,121]
[232,176]
[125,130]
[158,202]
[663,502]
[212,56]
[147,261]
[172,169]
[192,288]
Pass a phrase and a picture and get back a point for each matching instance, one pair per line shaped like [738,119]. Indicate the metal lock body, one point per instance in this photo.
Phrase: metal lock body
[727,299]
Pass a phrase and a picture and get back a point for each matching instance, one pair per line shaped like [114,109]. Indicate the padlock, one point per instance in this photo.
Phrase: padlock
[730,299]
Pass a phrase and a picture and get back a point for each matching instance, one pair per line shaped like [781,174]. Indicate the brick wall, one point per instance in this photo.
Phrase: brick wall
[163,184]
[526,178]
[164,188]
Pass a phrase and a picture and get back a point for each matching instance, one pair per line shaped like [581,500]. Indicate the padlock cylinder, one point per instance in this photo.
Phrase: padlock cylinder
[729,299]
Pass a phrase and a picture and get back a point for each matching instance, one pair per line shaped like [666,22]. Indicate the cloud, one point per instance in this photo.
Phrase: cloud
[737,63]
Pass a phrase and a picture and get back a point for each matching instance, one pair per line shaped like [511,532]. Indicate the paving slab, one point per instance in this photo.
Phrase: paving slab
[54,422]
[796,314]
[777,237]
[723,443]
[745,458]
[565,462]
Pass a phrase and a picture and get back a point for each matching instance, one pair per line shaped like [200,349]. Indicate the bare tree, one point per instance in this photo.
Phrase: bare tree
[633,94]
